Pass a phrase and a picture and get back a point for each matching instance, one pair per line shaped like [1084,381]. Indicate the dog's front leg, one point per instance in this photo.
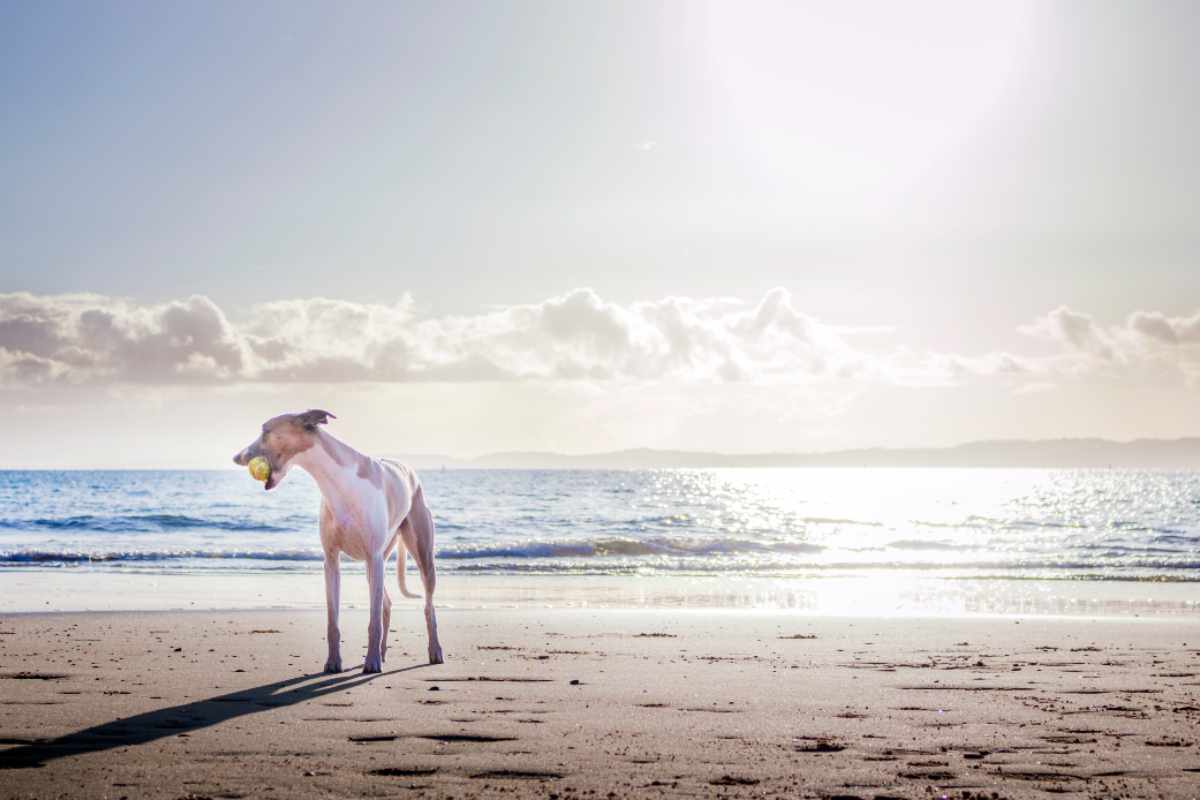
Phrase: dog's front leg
[374,659]
[333,591]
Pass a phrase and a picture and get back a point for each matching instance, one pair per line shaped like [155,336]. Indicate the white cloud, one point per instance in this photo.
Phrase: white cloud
[80,337]
[1077,332]
[575,336]
[578,335]
[1164,329]
[1146,344]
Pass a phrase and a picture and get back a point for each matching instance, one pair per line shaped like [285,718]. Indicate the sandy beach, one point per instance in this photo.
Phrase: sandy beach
[585,703]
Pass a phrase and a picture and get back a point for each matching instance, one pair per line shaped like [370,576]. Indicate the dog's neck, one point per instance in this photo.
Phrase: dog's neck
[334,465]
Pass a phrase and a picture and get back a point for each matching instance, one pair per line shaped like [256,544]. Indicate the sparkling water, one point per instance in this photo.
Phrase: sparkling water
[811,523]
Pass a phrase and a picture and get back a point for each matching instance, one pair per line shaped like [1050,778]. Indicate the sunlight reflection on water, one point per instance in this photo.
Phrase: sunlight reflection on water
[963,523]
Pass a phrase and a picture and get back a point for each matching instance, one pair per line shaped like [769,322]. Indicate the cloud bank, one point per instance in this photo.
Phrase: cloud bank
[85,338]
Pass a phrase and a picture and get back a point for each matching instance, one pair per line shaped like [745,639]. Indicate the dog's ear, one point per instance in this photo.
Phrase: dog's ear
[310,419]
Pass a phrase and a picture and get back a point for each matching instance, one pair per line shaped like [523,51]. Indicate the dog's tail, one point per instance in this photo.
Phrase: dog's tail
[401,558]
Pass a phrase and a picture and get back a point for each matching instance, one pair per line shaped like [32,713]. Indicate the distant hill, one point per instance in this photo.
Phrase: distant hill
[1139,453]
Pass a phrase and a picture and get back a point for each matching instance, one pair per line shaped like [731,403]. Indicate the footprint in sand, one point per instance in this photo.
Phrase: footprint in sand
[465,737]
[403,772]
[519,775]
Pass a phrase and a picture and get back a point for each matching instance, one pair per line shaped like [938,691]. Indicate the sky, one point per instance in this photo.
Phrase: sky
[474,226]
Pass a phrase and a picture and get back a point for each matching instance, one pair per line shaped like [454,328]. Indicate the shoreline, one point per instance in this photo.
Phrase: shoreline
[893,594]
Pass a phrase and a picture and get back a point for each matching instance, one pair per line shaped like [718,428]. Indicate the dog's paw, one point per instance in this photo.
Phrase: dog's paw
[435,655]
[372,664]
[333,666]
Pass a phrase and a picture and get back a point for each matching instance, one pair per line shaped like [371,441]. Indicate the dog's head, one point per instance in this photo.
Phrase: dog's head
[283,438]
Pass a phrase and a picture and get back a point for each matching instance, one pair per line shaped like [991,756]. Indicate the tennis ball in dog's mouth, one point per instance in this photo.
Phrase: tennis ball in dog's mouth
[260,468]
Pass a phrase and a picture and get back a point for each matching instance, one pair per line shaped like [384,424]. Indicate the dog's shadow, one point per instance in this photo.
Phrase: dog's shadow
[181,719]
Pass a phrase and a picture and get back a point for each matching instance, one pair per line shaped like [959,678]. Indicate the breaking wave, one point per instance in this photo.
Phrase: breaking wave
[657,556]
[137,523]
[626,547]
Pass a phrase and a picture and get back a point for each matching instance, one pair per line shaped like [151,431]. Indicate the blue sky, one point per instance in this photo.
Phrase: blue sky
[924,182]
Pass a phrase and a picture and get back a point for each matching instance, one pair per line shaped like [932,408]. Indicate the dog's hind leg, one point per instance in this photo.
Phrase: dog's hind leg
[417,535]
[387,623]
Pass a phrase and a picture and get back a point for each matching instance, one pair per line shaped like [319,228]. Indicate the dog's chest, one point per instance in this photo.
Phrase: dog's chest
[356,528]
[347,533]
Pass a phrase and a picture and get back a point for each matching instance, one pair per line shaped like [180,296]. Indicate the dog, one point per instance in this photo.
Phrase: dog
[368,507]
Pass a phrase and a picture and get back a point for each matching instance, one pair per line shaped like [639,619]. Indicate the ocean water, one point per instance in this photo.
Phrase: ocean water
[810,524]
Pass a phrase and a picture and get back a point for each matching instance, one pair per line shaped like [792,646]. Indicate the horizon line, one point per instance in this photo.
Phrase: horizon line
[830,457]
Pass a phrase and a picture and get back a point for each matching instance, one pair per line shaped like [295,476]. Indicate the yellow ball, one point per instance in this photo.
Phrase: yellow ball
[260,468]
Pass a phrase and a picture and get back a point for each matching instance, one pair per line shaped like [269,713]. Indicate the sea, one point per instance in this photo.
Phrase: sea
[827,540]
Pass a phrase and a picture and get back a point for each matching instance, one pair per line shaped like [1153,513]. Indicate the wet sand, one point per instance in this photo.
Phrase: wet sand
[584,703]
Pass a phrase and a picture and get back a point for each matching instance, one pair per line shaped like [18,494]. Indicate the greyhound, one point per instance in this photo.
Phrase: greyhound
[368,506]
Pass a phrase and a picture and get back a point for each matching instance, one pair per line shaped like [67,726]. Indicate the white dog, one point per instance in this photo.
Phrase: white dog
[368,506]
